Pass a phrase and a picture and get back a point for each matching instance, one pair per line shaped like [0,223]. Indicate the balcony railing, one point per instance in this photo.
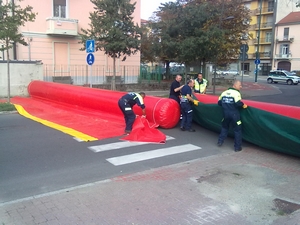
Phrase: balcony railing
[283,56]
[265,25]
[269,9]
[284,39]
[263,54]
[62,26]
[263,41]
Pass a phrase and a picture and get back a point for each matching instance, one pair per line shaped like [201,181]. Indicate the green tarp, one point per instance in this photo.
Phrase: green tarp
[262,128]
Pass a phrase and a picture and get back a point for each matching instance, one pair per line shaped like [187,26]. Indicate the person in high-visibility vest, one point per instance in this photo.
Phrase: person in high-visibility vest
[200,84]
[231,102]
[126,103]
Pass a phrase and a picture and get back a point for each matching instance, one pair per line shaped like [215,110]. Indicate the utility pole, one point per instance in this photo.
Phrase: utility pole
[258,39]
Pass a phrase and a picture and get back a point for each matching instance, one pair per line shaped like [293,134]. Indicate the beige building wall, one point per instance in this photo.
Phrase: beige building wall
[293,56]
[61,50]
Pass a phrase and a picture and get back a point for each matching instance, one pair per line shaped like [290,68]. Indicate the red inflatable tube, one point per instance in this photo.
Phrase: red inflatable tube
[284,110]
[163,112]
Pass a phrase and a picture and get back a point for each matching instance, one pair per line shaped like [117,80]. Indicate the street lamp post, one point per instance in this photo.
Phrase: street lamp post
[258,39]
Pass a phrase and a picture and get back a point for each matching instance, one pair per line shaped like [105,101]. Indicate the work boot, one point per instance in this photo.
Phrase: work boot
[182,128]
[192,130]
[238,149]
[127,132]
[220,144]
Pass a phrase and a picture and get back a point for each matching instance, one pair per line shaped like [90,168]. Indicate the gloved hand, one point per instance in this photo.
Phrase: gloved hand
[143,116]
[196,102]
[245,106]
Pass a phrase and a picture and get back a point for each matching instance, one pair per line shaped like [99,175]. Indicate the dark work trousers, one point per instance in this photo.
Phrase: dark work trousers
[187,115]
[234,119]
[128,113]
[176,98]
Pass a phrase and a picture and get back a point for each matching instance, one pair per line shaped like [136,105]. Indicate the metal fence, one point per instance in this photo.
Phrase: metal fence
[96,74]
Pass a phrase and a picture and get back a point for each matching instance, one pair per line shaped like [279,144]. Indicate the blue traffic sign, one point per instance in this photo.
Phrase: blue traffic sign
[90,46]
[90,59]
[257,61]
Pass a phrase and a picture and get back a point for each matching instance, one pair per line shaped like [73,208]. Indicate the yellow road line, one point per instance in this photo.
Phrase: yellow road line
[63,129]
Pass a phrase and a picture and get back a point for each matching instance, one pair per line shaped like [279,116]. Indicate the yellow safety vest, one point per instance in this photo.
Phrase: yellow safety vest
[200,87]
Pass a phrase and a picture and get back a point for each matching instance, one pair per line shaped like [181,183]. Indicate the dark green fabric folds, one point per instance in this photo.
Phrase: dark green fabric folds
[262,128]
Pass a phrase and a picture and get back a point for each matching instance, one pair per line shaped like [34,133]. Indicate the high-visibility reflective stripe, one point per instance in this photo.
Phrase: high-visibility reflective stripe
[231,93]
[140,98]
[190,111]
[128,109]
[239,122]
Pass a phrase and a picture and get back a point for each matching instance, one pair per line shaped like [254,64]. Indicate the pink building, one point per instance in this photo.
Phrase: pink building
[287,43]
[53,39]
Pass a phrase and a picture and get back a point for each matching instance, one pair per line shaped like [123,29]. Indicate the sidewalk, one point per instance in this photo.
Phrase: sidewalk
[249,89]
[254,186]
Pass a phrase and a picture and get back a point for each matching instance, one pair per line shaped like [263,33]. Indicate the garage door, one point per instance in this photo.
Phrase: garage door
[284,65]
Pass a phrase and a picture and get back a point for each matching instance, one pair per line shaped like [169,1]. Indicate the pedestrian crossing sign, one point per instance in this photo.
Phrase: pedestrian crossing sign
[90,46]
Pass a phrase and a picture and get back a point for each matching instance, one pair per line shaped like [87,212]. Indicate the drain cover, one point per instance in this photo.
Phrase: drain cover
[285,207]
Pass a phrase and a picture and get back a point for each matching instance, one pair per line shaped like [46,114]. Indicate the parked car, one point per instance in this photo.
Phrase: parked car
[230,72]
[296,72]
[282,76]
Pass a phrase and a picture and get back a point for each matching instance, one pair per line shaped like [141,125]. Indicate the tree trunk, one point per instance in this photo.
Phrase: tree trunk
[168,73]
[113,80]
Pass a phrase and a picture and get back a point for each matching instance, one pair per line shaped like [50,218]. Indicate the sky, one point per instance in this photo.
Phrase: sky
[149,6]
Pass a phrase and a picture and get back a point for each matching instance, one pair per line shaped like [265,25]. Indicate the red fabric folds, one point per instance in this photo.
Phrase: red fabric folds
[142,131]
[283,110]
[95,112]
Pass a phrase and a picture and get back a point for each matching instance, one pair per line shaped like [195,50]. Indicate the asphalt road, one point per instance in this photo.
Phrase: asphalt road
[290,94]
[35,159]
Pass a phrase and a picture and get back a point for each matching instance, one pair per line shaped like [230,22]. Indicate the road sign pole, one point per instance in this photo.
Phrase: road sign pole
[258,37]
[243,59]
[242,72]
[91,75]
[90,49]
[90,59]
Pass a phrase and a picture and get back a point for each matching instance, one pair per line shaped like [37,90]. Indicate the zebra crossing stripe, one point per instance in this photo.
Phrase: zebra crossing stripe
[121,144]
[126,159]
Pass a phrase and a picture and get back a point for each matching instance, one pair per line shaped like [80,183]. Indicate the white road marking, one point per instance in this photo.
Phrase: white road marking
[126,159]
[121,144]
[78,139]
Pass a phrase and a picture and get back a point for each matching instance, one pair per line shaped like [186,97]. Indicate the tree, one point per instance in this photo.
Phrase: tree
[201,30]
[227,27]
[12,16]
[113,30]
[148,44]
[165,26]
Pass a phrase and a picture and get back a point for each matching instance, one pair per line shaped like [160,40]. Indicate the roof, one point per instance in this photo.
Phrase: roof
[144,21]
[293,17]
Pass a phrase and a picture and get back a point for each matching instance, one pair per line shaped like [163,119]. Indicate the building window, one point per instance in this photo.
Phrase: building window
[284,50]
[270,6]
[59,8]
[286,33]
[268,36]
[246,67]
